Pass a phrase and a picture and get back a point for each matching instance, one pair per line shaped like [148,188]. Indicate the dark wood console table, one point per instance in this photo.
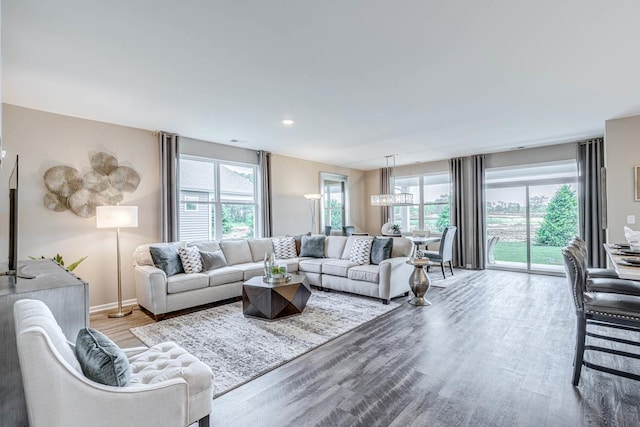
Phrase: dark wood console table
[68,298]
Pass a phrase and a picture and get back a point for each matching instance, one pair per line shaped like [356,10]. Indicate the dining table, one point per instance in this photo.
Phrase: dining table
[625,261]
[422,241]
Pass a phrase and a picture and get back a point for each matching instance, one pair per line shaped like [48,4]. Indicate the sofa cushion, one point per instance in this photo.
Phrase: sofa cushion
[206,245]
[312,246]
[311,265]
[401,247]
[284,248]
[186,282]
[365,273]
[190,259]
[212,260]
[361,251]
[166,258]
[335,246]
[291,263]
[337,267]
[381,249]
[250,269]
[236,251]
[224,275]
[346,254]
[142,255]
[101,360]
[259,248]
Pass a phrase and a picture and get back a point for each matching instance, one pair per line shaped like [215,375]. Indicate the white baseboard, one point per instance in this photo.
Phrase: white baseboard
[112,305]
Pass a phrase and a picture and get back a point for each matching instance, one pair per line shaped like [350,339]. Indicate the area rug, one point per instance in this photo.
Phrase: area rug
[239,349]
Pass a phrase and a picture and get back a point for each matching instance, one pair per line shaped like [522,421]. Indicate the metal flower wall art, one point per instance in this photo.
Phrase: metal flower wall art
[103,185]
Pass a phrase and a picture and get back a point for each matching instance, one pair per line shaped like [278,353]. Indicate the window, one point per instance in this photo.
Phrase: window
[334,201]
[532,210]
[432,209]
[218,199]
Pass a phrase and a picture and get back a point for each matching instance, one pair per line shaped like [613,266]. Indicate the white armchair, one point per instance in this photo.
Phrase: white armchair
[168,387]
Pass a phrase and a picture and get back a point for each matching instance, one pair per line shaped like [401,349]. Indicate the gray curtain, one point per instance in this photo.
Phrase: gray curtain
[385,188]
[456,174]
[169,185]
[477,236]
[591,199]
[264,161]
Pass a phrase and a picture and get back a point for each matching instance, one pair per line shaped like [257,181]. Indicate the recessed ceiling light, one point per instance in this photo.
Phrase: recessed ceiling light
[287,122]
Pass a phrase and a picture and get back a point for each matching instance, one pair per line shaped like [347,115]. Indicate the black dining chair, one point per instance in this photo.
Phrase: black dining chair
[445,253]
[604,310]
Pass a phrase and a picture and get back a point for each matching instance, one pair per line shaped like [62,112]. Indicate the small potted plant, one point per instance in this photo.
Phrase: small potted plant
[395,228]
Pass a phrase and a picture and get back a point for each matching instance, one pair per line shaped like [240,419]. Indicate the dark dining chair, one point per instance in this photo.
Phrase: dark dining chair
[348,230]
[445,253]
[593,272]
[604,310]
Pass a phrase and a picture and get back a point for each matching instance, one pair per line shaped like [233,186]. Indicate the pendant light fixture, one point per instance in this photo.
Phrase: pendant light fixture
[392,198]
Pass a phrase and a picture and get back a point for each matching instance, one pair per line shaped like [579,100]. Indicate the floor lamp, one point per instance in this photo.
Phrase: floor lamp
[117,217]
[313,202]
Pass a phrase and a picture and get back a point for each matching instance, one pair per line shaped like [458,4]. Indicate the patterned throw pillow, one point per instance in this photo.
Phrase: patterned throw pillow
[285,248]
[191,260]
[361,251]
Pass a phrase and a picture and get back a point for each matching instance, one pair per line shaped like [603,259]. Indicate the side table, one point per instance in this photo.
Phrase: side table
[419,281]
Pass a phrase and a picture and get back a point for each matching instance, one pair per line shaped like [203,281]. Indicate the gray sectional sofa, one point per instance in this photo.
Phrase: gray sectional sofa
[160,294]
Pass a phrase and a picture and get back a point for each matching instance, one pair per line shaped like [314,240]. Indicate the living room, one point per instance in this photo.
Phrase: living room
[514,83]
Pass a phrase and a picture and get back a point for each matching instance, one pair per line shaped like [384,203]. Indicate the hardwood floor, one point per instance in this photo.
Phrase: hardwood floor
[493,350]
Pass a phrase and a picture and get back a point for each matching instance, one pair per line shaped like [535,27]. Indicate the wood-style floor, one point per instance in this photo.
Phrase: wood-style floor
[494,350]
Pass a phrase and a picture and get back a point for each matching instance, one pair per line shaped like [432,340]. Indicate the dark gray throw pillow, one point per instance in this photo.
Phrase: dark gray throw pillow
[101,360]
[381,250]
[167,259]
[312,246]
[212,260]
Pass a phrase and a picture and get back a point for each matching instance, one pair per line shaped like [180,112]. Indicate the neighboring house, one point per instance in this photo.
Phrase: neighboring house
[197,189]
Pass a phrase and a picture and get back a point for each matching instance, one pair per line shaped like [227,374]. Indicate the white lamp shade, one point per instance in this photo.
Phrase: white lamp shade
[313,196]
[116,216]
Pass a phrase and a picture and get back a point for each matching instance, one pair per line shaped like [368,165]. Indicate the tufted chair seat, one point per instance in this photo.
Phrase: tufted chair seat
[166,361]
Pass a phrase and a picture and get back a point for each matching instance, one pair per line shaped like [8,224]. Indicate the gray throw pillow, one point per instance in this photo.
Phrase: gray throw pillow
[381,250]
[312,246]
[212,260]
[167,259]
[298,240]
[101,360]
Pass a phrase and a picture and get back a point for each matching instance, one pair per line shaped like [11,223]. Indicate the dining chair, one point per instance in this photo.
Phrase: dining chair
[604,310]
[445,253]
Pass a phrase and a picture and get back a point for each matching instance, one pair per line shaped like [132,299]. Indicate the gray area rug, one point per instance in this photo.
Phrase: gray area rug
[239,349]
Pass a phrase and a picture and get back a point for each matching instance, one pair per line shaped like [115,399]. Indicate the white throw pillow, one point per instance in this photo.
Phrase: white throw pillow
[361,251]
[191,260]
[284,248]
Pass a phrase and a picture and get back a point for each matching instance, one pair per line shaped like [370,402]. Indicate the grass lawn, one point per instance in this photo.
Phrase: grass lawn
[517,252]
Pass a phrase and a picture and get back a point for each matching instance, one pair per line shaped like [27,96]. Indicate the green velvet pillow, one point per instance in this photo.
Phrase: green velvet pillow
[101,360]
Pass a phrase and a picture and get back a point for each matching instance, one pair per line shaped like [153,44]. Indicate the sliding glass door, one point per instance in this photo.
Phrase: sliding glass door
[532,211]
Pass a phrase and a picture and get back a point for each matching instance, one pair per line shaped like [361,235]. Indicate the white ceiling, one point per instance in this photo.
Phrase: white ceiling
[427,80]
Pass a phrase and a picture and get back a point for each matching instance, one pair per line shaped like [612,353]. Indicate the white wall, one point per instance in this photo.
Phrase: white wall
[622,154]
[44,140]
[293,178]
